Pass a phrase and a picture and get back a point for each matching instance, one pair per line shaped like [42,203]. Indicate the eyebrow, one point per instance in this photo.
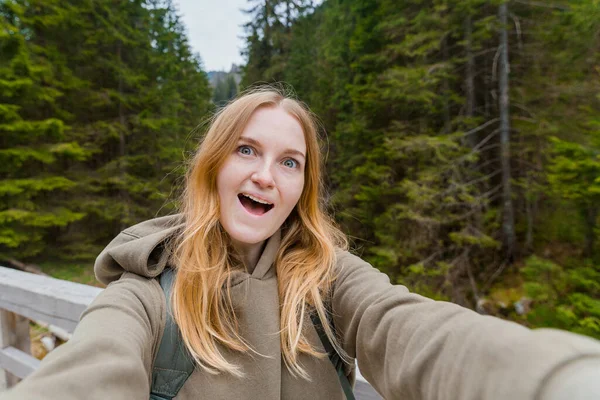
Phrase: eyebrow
[257,143]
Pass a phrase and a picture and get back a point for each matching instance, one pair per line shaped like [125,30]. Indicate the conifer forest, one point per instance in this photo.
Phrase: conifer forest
[462,144]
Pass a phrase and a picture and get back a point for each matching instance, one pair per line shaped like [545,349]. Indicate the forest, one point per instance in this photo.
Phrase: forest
[462,136]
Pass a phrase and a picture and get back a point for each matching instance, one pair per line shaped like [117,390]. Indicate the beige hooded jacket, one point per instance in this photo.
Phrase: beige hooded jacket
[407,346]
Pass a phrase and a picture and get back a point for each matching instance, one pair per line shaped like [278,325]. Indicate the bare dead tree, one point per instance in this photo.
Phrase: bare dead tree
[508,219]
[470,76]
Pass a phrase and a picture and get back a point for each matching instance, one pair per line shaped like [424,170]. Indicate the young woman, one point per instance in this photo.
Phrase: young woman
[255,255]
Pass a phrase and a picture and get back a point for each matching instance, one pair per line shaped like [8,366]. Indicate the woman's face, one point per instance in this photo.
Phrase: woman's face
[262,179]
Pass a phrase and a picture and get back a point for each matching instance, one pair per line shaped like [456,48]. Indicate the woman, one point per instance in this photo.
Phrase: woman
[254,255]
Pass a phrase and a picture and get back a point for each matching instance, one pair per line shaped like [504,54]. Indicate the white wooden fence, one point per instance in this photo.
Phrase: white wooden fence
[25,296]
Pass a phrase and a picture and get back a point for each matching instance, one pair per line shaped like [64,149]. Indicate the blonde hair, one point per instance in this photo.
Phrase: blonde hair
[203,256]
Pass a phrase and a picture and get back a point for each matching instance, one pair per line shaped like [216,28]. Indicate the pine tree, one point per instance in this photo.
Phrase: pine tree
[131,91]
[225,90]
[268,38]
[33,145]
[137,121]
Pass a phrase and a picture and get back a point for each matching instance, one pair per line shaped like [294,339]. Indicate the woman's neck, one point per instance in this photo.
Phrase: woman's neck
[249,253]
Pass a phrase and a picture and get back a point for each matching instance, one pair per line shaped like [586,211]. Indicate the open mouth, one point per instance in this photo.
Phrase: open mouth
[253,205]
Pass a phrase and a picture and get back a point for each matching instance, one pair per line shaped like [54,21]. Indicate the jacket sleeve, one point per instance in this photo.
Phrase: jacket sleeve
[111,352]
[413,348]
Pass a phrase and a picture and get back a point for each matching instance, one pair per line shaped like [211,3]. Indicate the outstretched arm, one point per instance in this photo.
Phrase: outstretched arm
[413,348]
[111,351]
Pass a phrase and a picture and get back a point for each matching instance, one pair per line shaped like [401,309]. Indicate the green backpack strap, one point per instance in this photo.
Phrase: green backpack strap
[334,357]
[173,364]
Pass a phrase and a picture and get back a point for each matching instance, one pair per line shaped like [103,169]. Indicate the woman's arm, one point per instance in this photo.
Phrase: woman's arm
[577,380]
[413,348]
[111,352]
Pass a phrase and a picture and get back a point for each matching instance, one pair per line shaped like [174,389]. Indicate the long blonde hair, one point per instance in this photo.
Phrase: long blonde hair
[204,259]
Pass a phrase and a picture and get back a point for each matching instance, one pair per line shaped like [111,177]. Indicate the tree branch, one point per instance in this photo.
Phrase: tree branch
[540,4]
[480,127]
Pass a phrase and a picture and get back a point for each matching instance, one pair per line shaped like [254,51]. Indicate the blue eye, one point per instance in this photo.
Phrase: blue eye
[290,163]
[245,150]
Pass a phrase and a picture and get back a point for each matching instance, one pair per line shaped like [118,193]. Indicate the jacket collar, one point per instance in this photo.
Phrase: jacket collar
[267,259]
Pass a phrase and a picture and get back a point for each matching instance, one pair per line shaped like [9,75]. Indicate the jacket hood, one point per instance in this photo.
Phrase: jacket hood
[139,249]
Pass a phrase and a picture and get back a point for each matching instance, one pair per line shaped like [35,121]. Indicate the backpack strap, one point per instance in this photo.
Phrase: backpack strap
[334,357]
[173,364]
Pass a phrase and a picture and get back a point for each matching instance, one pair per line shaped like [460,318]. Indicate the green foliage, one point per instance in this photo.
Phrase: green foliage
[399,167]
[564,297]
[413,162]
[97,101]
[268,38]
[33,141]
[575,171]
[75,272]
[574,175]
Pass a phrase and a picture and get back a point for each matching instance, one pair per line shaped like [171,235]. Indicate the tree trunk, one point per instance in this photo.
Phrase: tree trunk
[470,78]
[508,224]
[446,87]
[591,215]
[529,205]
[288,16]
[124,198]
[267,27]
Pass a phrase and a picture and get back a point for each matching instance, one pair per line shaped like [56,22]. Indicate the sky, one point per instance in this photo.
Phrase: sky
[215,30]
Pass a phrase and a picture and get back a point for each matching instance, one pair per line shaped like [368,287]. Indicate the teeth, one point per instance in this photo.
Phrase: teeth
[255,199]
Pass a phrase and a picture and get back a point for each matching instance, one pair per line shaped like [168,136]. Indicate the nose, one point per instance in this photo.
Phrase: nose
[263,177]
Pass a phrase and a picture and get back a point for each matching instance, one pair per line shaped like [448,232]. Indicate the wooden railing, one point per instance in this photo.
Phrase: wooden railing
[25,296]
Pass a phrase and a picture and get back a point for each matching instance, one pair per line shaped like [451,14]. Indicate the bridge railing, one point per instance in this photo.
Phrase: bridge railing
[25,296]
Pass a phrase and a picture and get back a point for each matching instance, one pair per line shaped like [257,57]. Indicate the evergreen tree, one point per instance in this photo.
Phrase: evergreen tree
[33,140]
[560,118]
[131,92]
[137,121]
[225,90]
[268,41]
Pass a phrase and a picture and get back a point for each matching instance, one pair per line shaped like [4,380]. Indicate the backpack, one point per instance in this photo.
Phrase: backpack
[173,365]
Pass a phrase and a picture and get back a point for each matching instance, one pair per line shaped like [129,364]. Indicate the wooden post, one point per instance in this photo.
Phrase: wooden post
[14,332]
